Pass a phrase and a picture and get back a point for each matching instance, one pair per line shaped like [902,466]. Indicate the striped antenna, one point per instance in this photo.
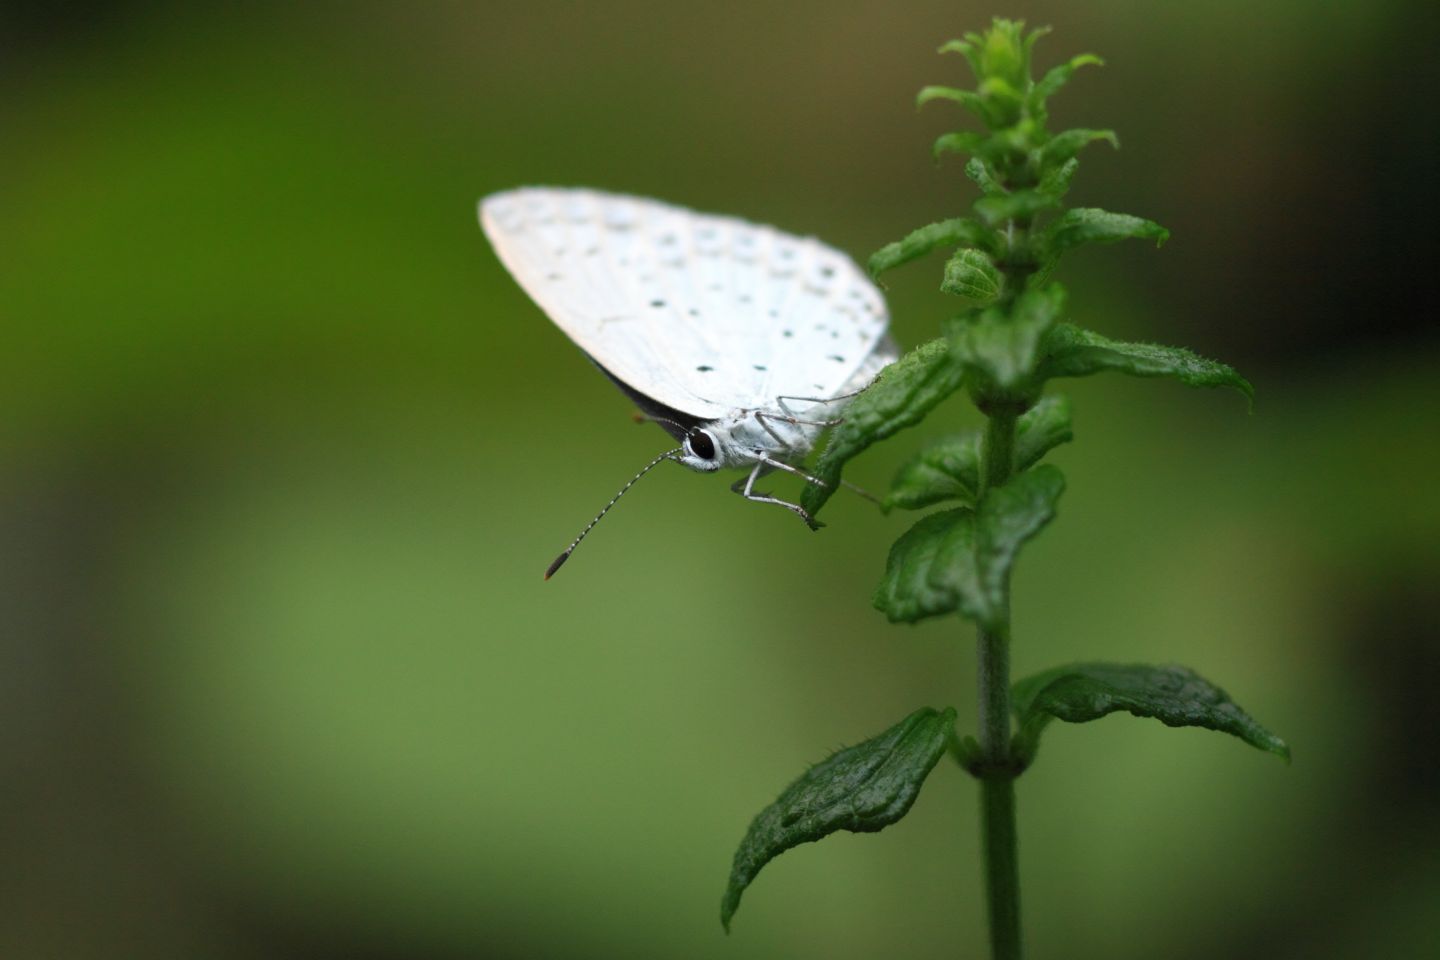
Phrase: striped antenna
[560,560]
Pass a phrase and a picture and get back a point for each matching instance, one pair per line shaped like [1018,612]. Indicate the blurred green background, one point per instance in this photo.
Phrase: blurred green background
[284,452]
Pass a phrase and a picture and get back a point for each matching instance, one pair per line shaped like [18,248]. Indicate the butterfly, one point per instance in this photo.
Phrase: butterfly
[742,341]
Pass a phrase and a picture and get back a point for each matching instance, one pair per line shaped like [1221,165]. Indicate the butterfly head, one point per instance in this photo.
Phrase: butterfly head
[701,451]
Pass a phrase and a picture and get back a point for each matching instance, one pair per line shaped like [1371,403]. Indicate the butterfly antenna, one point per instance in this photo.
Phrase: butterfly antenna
[648,418]
[560,560]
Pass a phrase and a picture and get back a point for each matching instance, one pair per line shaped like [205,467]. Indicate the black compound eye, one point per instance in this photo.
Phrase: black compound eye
[702,446]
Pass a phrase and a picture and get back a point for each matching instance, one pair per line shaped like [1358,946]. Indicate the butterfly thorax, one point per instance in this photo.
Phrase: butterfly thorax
[747,437]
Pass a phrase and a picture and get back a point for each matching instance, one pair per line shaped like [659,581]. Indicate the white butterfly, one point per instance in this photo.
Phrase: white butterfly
[742,341]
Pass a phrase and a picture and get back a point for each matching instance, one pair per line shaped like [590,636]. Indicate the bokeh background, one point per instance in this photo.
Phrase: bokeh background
[283,453]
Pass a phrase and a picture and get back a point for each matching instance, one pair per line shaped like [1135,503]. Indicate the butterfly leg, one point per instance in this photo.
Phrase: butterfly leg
[778,465]
[746,489]
[821,483]
[790,414]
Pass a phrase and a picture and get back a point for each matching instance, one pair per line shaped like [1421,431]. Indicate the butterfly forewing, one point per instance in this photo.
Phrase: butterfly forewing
[703,313]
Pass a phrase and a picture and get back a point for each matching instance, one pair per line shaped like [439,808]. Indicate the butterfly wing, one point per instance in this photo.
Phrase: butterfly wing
[703,313]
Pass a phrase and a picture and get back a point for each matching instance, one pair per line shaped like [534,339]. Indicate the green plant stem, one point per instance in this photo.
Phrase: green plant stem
[997,454]
[1002,873]
[997,783]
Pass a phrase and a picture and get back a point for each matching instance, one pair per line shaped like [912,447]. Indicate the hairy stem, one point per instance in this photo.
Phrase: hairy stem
[997,783]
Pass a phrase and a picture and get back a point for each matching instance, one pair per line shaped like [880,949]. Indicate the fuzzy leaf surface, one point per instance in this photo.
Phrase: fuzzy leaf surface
[1056,181]
[960,560]
[979,171]
[1081,225]
[900,397]
[970,273]
[1071,351]
[935,236]
[863,789]
[948,468]
[1176,696]
[1005,348]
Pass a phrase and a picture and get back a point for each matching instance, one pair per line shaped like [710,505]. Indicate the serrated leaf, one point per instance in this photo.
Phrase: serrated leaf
[1071,351]
[970,273]
[1065,145]
[1056,77]
[862,789]
[935,236]
[997,208]
[1004,348]
[948,468]
[900,397]
[1176,696]
[979,171]
[960,560]
[1081,225]
[963,141]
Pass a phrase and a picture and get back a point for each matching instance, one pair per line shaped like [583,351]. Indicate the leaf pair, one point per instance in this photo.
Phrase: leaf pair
[948,468]
[999,345]
[985,346]
[870,786]
[975,270]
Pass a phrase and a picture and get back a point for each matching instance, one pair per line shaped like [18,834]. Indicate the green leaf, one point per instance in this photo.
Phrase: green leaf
[863,789]
[964,141]
[1004,54]
[1005,348]
[1057,77]
[970,273]
[1071,351]
[979,171]
[1001,100]
[900,397]
[998,208]
[1176,696]
[948,468]
[1041,429]
[1056,182]
[960,560]
[945,234]
[1063,146]
[1081,225]
[970,47]
[968,99]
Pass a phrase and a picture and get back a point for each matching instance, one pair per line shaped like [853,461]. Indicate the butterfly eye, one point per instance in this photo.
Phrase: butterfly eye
[702,446]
